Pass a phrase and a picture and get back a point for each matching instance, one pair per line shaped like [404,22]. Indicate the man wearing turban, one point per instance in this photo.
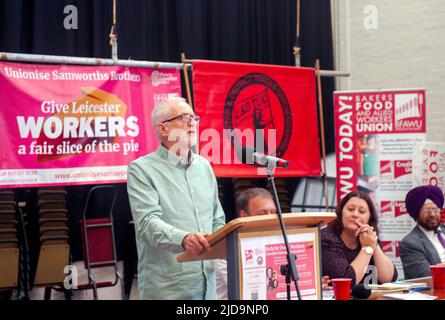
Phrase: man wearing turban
[425,244]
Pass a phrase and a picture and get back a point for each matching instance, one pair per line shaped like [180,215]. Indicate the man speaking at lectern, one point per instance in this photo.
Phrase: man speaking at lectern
[174,201]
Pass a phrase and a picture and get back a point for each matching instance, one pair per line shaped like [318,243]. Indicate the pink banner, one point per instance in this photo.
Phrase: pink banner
[66,125]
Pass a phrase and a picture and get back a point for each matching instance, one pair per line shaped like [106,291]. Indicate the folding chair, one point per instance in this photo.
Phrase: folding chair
[53,235]
[51,204]
[7,205]
[53,213]
[60,195]
[99,242]
[241,184]
[25,269]
[7,217]
[6,195]
[13,246]
[53,258]
[52,189]
[9,262]
[54,255]
[53,222]
[309,195]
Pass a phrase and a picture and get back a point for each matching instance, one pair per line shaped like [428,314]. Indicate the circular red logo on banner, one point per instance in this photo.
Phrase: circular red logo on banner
[256,101]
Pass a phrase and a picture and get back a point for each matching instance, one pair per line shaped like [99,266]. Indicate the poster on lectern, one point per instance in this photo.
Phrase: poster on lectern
[263,254]
[375,134]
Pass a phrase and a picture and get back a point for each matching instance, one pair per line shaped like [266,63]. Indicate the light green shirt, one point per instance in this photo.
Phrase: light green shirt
[168,200]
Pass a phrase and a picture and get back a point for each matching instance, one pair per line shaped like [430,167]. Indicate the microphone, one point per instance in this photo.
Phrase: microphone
[359,291]
[248,155]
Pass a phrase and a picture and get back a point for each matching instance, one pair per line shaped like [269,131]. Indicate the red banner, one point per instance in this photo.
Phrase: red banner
[271,108]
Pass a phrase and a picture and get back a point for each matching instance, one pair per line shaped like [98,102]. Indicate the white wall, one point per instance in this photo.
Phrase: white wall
[407,50]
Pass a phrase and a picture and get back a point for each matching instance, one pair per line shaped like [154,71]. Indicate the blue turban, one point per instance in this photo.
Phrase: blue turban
[416,197]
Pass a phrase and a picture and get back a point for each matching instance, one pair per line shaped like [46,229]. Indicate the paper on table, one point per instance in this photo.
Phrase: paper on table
[412,295]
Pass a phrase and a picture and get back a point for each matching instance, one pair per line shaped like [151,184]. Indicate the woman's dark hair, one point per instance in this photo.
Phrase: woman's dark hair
[337,224]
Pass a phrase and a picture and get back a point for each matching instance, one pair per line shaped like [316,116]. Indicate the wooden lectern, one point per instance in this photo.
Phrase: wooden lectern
[253,248]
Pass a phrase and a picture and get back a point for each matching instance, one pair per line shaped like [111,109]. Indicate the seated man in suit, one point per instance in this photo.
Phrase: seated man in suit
[425,244]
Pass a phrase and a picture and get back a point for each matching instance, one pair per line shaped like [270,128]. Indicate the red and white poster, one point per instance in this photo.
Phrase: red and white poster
[429,166]
[270,108]
[375,133]
[76,124]
[262,258]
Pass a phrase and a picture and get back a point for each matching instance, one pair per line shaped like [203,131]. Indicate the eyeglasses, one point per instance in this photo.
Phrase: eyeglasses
[429,210]
[184,118]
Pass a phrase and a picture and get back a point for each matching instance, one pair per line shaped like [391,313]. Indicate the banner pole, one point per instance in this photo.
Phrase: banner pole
[39,58]
[186,79]
[296,48]
[64,60]
[113,35]
[323,143]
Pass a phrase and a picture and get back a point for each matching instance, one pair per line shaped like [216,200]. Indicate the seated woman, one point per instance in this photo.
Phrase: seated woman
[350,243]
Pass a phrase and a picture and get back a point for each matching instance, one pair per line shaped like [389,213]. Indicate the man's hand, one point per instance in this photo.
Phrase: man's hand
[196,243]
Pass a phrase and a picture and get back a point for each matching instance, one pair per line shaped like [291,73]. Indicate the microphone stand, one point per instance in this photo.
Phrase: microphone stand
[289,270]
